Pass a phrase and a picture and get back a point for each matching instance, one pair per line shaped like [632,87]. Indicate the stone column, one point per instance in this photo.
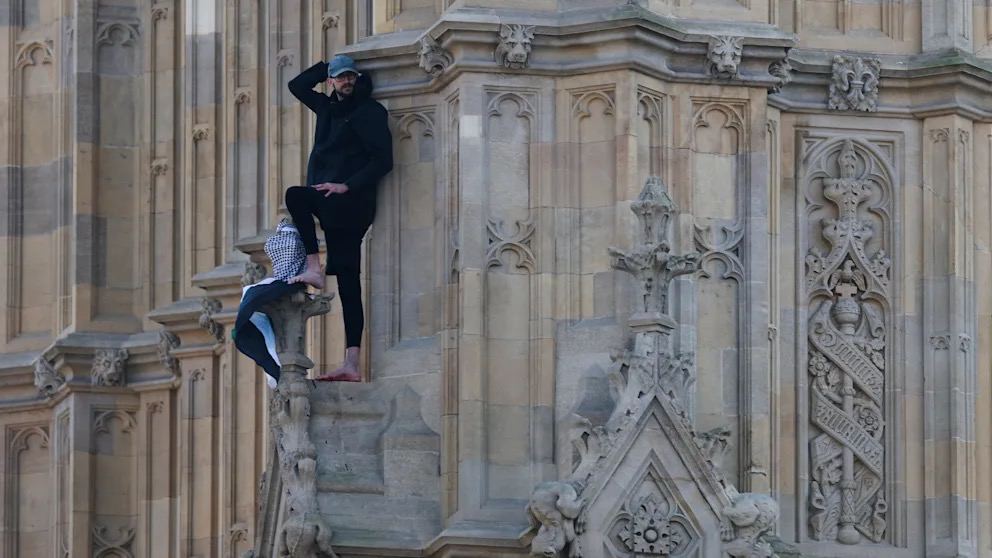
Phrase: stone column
[303,532]
[948,321]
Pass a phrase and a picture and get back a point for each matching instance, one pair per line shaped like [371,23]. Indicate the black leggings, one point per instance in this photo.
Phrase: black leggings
[344,253]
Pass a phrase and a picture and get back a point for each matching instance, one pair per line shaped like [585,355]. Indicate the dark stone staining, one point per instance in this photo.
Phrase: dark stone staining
[89,229]
[34,207]
[205,81]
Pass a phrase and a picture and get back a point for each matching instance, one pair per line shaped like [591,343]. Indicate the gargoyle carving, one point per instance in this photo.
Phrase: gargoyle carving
[554,508]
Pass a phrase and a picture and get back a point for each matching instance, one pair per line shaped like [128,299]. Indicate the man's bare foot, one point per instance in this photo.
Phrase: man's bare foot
[312,274]
[312,278]
[348,372]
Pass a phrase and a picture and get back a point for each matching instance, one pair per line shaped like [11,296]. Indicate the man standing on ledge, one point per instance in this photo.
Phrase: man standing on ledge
[352,151]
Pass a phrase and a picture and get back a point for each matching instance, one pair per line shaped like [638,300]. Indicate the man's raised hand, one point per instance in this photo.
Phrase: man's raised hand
[329,188]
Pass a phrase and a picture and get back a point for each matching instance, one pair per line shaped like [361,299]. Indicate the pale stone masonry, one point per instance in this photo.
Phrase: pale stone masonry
[831,165]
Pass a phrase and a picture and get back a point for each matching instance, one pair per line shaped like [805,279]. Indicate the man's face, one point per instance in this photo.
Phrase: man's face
[344,83]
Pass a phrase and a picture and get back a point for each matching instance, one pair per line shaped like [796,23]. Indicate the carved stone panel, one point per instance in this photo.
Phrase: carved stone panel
[854,84]
[847,279]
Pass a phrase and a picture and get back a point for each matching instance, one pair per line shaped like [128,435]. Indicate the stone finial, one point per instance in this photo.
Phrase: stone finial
[554,508]
[746,523]
[651,261]
[724,56]
[854,84]
[433,58]
[513,50]
[108,367]
[46,378]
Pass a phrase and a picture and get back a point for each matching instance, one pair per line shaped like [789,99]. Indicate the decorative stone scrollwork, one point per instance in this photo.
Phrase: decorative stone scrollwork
[242,96]
[721,242]
[168,342]
[285,57]
[433,58]
[513,50]
[723,56]
[159,166]
[201,132]
[517,242]
[108,367]
[848,286]
[46,378]
[254,272]
[854,85]
[210,307]
[745,524]
[553,509]
[104,544]
[159,13]
[940,342]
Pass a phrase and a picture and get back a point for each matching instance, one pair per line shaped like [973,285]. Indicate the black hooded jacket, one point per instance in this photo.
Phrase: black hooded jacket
[352,145]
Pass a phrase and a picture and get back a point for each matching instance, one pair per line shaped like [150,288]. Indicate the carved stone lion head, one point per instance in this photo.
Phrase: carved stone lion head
[514,45]
[724,55]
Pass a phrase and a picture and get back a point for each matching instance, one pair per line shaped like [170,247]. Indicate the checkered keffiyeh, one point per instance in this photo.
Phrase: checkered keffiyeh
[285,250]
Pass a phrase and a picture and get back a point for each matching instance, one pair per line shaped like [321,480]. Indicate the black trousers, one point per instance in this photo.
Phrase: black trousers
[344,253]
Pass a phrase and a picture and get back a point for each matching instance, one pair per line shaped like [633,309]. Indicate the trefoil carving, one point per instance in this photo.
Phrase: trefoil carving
[516,241]
[854,84]
[117,544]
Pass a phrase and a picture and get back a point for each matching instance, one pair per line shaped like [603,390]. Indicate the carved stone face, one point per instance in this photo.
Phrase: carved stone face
[514,45]
[724,56]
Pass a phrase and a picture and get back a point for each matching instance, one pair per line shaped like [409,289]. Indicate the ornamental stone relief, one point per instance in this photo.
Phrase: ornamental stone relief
[513,49]
[847,280]
[723,56]
[108,367]
[434,59]
[854,85]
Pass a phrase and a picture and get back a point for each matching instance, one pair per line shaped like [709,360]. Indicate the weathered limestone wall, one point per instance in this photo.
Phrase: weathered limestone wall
[147,145]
